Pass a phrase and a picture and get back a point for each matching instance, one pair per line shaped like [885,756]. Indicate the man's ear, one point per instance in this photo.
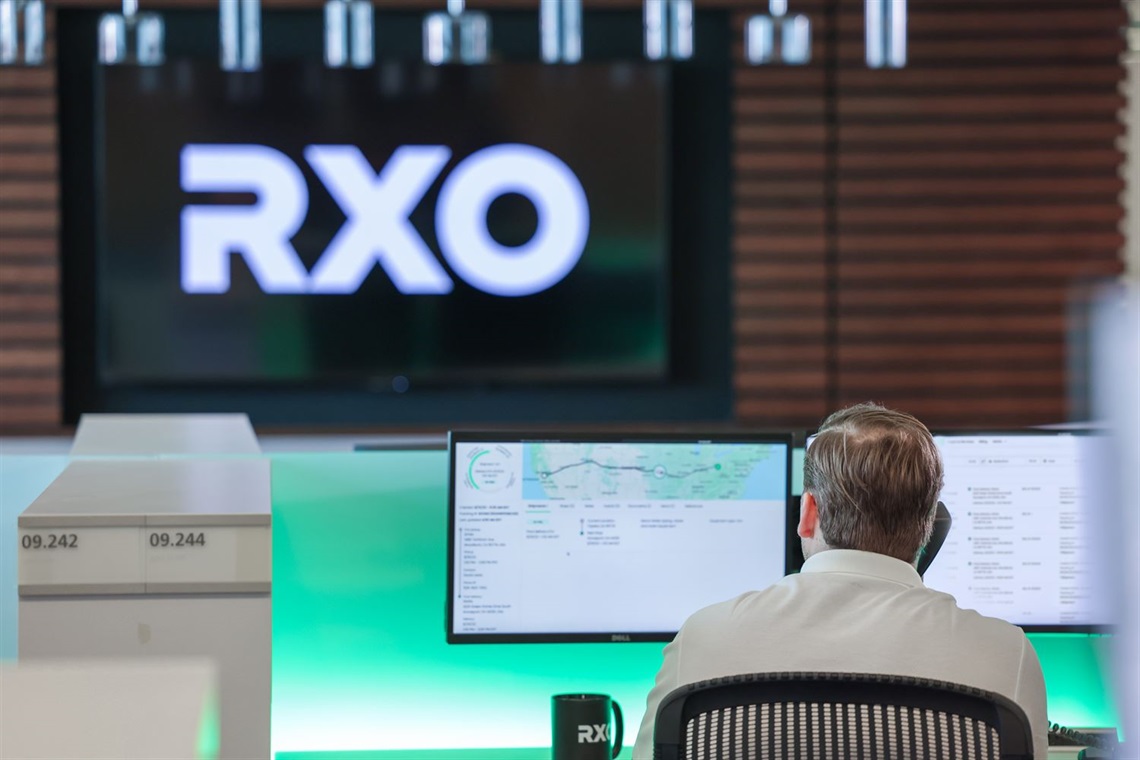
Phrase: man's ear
[809,516]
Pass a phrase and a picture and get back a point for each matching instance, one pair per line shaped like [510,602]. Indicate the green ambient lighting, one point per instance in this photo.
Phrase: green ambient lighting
[360,667]
[209,729]
[359,658]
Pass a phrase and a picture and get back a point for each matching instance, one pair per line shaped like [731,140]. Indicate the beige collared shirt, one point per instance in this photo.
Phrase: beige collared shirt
[854,612]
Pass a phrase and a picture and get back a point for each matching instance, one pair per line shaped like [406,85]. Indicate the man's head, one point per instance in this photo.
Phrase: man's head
[871,482]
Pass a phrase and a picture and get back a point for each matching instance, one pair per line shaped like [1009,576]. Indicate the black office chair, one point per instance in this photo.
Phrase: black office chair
[838,716]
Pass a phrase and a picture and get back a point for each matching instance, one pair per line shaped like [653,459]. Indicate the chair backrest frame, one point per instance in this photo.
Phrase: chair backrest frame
[904,692]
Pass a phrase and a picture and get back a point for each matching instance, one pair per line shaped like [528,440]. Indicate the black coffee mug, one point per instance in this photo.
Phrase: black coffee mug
[581,725]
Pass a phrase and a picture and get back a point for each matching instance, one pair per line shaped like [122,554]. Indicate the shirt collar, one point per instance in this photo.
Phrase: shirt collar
[863,563]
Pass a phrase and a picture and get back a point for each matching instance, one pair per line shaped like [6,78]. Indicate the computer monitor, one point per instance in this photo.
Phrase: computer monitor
[1024,540]
[608,537]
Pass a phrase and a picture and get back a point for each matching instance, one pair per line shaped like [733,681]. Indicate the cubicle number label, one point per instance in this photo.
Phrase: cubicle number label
[177,540]
[49,541]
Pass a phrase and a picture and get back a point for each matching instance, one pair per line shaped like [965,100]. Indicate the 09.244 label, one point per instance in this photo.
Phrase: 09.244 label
[49,541]
[176,540]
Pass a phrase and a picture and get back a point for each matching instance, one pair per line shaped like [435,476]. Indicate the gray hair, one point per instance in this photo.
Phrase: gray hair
[875,474]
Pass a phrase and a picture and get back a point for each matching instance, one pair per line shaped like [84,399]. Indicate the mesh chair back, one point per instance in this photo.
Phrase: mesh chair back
[838,716]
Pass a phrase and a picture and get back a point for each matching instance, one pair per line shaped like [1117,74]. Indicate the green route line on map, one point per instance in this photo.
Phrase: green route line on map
[653,470]
[471,466]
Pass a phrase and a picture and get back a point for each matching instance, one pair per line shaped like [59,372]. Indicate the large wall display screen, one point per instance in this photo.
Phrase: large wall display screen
[608,538]
[1024,544]
[433,226]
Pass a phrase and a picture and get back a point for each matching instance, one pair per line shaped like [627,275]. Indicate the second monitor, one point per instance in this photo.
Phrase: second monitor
[1026,542]
[608,538]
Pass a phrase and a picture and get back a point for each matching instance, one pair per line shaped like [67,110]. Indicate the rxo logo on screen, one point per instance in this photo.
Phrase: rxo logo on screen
[377,229]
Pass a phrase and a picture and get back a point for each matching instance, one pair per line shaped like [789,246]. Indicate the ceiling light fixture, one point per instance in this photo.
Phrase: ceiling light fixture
[457,36]
[30,15]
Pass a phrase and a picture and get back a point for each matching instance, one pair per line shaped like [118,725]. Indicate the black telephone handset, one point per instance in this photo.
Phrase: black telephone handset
[1104,744]
[937,538]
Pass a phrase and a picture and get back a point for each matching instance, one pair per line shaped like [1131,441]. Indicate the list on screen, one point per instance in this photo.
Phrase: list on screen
[614,540]
[1023,542]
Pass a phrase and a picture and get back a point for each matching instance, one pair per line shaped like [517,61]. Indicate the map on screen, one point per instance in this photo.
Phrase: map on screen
[609,538]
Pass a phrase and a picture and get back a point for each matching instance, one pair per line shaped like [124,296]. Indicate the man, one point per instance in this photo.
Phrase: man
[871,482]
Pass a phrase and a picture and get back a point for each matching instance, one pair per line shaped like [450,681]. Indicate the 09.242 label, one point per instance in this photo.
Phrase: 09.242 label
[176,540]
[49,541]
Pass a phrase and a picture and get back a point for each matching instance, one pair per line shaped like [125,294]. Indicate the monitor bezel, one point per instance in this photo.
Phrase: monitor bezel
[1043,432]
[533,436]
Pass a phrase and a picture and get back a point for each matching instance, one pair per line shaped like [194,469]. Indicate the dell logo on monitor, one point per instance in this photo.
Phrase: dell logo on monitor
[377,229]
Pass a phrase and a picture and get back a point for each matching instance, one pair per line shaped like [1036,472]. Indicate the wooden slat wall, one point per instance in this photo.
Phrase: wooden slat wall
[30,348]
[908,236]
[781,162]
[975,189]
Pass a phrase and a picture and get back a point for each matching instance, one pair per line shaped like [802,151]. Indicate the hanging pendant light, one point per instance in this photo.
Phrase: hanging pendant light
[457,35]
[560,27]
[778,38]
[240,30]
[349,36]
[26,49]
[131,37]
[885,33]
[668,29]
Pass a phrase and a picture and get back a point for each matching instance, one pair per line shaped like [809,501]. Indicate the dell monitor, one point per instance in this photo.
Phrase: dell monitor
[608,537]
[1024,540]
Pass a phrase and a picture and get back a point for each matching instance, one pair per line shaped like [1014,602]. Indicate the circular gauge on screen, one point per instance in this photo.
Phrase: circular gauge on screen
[490,469]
